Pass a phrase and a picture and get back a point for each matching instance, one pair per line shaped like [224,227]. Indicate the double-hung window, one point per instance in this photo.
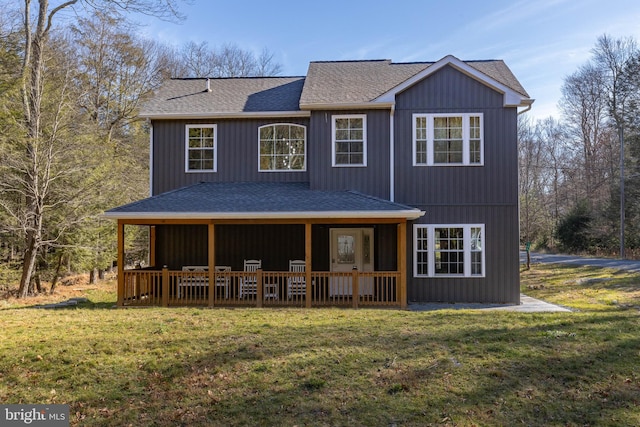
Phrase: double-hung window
[282,147]
[349,140]
[200,148]
[449,250]
[448,139]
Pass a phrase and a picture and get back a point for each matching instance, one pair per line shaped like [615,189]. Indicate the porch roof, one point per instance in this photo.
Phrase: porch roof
[260,200]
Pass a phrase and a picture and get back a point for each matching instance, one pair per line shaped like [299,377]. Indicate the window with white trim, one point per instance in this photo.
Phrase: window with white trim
[448,139]
[442,250]
[200,148]
[282,147]
[349,140]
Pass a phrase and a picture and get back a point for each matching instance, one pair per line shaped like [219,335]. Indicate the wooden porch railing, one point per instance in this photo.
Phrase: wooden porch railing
[261,289]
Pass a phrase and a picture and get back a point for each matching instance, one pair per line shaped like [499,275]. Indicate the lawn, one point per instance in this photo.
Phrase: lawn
[335,367]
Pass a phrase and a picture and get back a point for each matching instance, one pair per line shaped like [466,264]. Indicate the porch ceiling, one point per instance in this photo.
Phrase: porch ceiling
[251,200]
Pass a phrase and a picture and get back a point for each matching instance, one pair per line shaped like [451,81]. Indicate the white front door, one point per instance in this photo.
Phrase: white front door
[351,248]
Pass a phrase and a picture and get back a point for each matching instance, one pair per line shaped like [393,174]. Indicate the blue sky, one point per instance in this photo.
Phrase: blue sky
[542,41]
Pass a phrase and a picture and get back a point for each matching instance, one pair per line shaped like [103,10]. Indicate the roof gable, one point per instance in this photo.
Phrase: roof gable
[494,74]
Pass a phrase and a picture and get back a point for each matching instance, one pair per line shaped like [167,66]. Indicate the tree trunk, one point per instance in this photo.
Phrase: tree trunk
[27,267]
[56,276]
[92,276]
[38,283]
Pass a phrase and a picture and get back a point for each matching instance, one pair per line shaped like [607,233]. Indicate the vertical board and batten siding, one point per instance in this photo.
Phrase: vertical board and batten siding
[485,194]
[237,156]
[372,179]
[275,245]
[501,283]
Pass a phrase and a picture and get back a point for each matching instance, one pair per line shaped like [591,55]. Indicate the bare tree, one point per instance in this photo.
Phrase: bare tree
[584,106]
[116,71]
[543,158]
[199,60]
[266,65]
[612,58]
[552,139]
[41,134]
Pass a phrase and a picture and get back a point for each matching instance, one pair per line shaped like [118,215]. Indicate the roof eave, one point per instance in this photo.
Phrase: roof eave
[409,214]
[224,115]
[348,106]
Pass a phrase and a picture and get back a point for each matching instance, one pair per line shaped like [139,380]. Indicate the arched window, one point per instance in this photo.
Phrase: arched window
[282,147]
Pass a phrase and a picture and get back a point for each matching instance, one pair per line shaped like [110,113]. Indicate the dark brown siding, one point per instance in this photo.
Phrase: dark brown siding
[237,154]
[463,194]
[275,245]
[372,179]
[386,247]
[180,245]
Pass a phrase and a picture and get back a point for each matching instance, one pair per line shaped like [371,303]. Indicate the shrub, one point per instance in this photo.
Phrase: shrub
[573,229]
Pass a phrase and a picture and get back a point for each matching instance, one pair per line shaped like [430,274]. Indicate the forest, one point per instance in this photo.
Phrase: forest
[579,174]
[73,77]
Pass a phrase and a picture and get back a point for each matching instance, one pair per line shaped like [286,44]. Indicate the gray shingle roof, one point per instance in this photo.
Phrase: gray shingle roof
[259,199]
[345,82]
[498,70]
[332,82]
[227,95]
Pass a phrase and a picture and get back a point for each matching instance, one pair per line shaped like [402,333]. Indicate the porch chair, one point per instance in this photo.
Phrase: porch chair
[223,280]
[297,284]
[195,282]
[249,282]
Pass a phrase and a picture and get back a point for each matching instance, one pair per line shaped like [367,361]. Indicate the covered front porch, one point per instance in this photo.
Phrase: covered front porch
[309,264]
[266,244]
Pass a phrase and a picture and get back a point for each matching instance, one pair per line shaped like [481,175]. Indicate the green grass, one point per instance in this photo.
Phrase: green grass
[327,367]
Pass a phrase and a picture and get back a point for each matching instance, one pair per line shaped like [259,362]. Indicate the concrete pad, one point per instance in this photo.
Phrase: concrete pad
[527,305]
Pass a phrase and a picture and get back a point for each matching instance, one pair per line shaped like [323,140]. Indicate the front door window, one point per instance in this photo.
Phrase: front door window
[346,249]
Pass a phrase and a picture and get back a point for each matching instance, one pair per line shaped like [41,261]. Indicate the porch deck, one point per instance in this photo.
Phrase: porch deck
[270,289]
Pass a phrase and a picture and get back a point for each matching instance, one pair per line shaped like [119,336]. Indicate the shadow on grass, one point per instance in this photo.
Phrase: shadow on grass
[86,304]
[368,369]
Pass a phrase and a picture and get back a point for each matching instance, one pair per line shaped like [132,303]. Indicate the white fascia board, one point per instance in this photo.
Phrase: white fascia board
[219,115]
[349,106]
[511,97]
[409,214]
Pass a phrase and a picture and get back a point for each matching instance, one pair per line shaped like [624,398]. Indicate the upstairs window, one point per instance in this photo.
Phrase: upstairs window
[282,147]
[447,139]
[449,250]
[349,145]
[201,148]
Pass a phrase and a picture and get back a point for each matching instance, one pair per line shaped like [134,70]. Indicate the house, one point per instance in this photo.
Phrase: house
[384,183]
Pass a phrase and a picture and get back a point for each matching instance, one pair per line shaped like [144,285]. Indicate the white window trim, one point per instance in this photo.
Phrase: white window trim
[431,250]
[465,138]
[364,140]
[304,168]
[215,148]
